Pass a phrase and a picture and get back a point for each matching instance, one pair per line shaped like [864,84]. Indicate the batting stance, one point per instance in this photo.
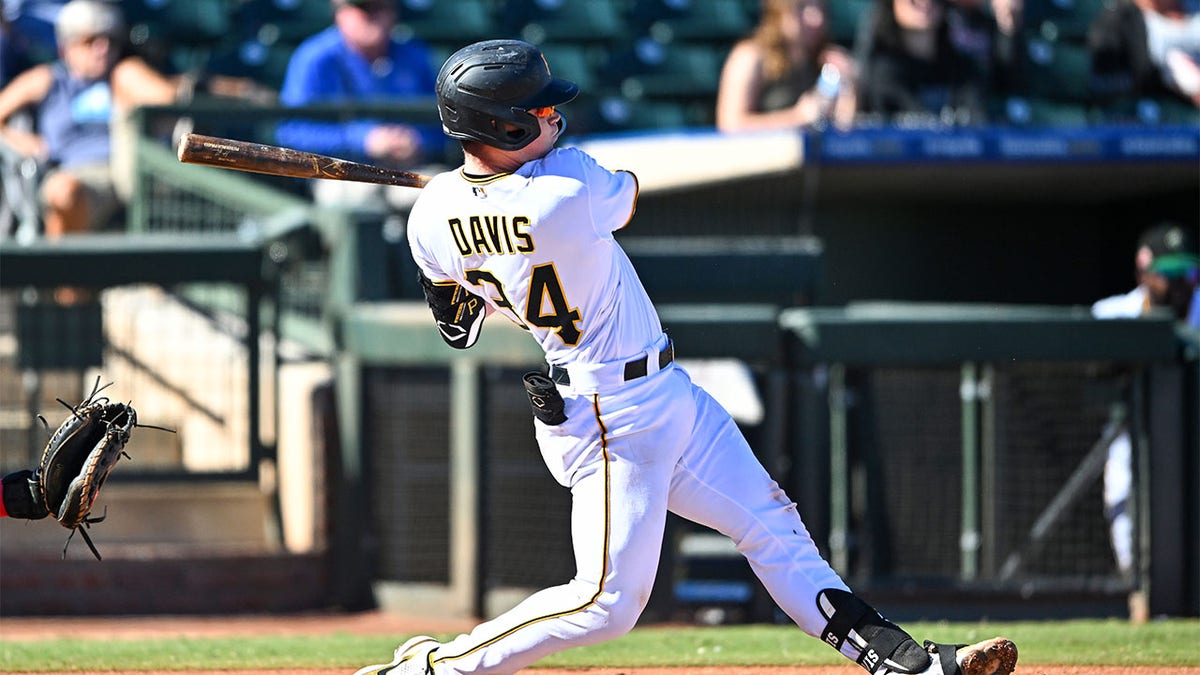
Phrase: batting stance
[526,231]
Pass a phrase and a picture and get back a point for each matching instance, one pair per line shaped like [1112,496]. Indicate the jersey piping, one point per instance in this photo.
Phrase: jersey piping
[482,180]
[603,566]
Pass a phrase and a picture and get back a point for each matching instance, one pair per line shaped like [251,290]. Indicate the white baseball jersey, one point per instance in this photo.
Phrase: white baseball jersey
[537,245]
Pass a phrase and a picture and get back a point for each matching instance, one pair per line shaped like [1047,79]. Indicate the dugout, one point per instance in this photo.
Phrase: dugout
[967,443]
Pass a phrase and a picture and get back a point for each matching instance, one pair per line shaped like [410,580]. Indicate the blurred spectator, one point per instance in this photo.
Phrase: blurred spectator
[74,101]
[1009,48]
[912,74]
[1167,270]
[357,59]
[787,73]
[26,35]
[990,33]
[1147,48]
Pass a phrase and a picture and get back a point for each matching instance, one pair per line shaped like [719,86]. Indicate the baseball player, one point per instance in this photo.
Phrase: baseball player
[525,231]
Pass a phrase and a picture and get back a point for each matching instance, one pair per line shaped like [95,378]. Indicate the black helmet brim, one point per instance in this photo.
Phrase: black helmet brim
[557,92]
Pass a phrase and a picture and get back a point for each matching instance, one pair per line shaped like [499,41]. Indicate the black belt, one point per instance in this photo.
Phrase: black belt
[633,369]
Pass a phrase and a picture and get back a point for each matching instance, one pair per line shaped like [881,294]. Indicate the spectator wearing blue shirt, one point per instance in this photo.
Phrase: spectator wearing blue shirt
[358,59]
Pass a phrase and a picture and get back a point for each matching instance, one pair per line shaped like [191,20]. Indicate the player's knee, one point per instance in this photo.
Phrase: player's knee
[873,637]
[616,619]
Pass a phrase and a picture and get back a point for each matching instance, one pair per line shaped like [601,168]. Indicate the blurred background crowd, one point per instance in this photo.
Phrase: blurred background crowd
[66,68]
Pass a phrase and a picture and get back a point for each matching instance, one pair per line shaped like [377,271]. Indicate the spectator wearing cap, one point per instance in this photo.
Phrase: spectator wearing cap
[1174,278]
[1167,268]
[74,100]
[359,59]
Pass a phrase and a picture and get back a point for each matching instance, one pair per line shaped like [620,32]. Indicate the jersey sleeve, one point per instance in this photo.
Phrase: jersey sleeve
[612,195]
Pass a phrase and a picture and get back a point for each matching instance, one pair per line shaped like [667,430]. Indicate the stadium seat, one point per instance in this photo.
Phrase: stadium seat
[20,176]
[177,21]
[573,62]
[1060,71]
[1021,111]
[1150,111]
[696,20]
[541,21]
[465,21]
[288,21]
[652,69]
[844,19]
[252,58]
[616,113]
[1061,19]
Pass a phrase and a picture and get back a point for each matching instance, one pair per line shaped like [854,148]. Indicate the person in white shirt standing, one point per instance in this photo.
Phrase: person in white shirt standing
[1167,245]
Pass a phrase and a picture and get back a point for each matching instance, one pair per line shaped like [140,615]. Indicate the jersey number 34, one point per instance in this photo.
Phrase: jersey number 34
[547,306]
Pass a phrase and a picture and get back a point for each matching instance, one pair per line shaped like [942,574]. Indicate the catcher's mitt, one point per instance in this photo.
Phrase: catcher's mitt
[80,455]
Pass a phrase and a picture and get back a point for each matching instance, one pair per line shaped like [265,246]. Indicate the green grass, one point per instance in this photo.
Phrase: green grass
[1116,643]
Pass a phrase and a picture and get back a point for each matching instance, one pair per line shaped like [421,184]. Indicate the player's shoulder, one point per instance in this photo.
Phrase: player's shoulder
[747,53]
[441,189]
[1124,306]
[569,162]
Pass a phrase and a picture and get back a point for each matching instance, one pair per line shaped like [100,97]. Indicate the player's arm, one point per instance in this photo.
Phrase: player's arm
[458,312]
[25,90]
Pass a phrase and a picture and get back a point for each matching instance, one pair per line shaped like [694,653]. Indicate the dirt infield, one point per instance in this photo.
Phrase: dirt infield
[379,623]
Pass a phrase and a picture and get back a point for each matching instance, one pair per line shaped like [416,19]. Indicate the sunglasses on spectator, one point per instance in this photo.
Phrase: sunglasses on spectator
[541,113]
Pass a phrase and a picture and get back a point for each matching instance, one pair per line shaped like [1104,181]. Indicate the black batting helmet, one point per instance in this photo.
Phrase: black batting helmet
[487,83]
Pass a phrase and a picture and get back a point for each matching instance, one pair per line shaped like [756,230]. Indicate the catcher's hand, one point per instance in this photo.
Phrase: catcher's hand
[80,455]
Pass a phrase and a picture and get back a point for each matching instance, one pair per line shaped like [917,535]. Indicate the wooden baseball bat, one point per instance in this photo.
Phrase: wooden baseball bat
[277,161]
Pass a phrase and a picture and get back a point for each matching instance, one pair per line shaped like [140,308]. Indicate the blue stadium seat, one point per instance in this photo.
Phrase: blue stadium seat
[695,20]
[541,21]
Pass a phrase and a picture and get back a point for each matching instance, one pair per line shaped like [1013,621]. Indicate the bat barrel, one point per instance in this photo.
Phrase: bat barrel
[277,161]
